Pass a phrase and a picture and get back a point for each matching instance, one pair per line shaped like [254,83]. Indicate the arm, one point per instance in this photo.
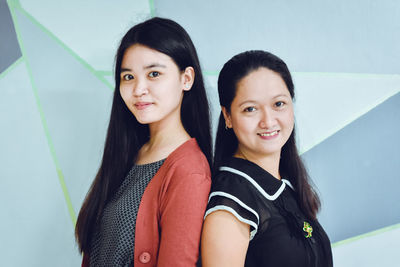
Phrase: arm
[224,241]
[181,220]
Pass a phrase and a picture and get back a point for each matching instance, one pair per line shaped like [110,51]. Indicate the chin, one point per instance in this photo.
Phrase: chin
[270,151]
[144,120]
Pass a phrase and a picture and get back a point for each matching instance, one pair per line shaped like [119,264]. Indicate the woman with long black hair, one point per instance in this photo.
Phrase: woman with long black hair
[262,208]
[146,204]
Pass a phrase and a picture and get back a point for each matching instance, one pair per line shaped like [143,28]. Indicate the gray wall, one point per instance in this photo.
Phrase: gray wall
[56,60]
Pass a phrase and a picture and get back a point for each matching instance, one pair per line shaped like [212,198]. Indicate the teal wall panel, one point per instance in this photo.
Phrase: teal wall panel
[35,227]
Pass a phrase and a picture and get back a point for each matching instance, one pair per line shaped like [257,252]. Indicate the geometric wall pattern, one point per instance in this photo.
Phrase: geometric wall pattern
[310,36]
[357,170]
[54,108]
[9,48]
[75,105]
[56,83]
[90,28]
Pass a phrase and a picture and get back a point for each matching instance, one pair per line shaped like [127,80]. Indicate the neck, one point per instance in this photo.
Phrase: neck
[170,135]
[270,163]
[165,137]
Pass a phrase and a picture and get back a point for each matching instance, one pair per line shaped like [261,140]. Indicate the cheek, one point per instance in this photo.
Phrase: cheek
[125,93]
[289,120]
[243,126]
[167,91]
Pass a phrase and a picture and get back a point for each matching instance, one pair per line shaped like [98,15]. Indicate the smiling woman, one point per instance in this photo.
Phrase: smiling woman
[155,168]
[152,86]
[262,209]
[261,115]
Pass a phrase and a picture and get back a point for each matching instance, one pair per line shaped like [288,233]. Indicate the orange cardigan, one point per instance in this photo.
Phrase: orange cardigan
[170,216]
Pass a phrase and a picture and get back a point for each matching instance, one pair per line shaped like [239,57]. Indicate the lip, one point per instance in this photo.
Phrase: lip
[269,135]
[142,105]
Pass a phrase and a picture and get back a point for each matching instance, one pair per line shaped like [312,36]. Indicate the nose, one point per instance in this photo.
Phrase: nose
[267,119]
[140,88]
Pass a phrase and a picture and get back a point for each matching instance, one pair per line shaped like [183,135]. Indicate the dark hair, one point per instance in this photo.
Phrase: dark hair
[125,135]
[291,165]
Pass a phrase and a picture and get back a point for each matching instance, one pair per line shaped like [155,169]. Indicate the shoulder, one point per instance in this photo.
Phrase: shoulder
[232,182]
[186,166]
[240,174]
[246,191]
[233,193]
[188,159]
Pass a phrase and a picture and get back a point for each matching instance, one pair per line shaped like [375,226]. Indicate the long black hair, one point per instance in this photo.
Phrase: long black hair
[291,165]
[125,135]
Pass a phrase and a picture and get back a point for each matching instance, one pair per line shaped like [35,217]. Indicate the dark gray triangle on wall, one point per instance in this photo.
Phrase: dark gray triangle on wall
[357,173]
[9,47]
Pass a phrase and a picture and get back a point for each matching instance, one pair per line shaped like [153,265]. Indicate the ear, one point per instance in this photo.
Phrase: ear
[188,78]
[227,117]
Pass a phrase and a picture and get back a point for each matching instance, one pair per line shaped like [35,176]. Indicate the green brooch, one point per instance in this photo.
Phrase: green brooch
[308,229]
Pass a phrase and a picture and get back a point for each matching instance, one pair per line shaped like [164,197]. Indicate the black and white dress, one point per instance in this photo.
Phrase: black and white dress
[280,234]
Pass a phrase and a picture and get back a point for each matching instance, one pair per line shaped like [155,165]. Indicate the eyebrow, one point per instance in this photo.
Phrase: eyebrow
[152,65]
[280,95]
[247,101]
[255,101]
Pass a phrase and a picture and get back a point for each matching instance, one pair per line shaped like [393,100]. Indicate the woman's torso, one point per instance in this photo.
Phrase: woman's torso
[114,238]
[277,222]
[184,172]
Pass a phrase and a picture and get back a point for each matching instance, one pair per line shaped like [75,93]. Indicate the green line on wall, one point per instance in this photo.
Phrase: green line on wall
[211,73]
[369,234]
[105,72]
[16,5]
[152,9]
[11,67]
[13,5]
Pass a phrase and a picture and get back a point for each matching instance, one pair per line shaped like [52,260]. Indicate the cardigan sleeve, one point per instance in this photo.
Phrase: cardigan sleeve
[181,219]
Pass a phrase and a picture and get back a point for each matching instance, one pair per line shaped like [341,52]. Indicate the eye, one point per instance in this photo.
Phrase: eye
[250,109]
[154,74]
[127,77]
[279,104]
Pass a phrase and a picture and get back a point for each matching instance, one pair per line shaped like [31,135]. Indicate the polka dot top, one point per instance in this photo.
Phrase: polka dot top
[114,238]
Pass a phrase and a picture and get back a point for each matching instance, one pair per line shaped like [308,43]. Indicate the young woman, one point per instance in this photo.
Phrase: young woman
[147,202]
[262,209]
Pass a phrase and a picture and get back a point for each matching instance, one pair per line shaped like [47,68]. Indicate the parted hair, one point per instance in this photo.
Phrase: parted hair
[291,165]
[125,135]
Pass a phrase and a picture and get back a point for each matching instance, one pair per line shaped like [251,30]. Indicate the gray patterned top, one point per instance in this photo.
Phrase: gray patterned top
[114,238]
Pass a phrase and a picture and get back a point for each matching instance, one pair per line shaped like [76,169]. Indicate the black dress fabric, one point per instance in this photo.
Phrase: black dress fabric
[280,234]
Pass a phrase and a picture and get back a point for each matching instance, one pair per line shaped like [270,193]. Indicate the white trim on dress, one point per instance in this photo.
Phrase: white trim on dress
[288,183]
[238,201]
[256,185]
[234,213]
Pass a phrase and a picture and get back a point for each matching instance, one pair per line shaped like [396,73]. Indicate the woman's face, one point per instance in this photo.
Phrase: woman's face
[261,114]
[152,85]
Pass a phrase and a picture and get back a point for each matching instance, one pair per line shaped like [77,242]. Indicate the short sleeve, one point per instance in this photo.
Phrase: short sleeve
[235,195]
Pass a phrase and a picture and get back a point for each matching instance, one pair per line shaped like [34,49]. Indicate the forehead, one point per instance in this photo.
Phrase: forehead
[261,84]
[140,55]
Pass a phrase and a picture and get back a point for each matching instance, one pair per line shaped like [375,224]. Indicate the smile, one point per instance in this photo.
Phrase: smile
[269,134]
[142,105]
